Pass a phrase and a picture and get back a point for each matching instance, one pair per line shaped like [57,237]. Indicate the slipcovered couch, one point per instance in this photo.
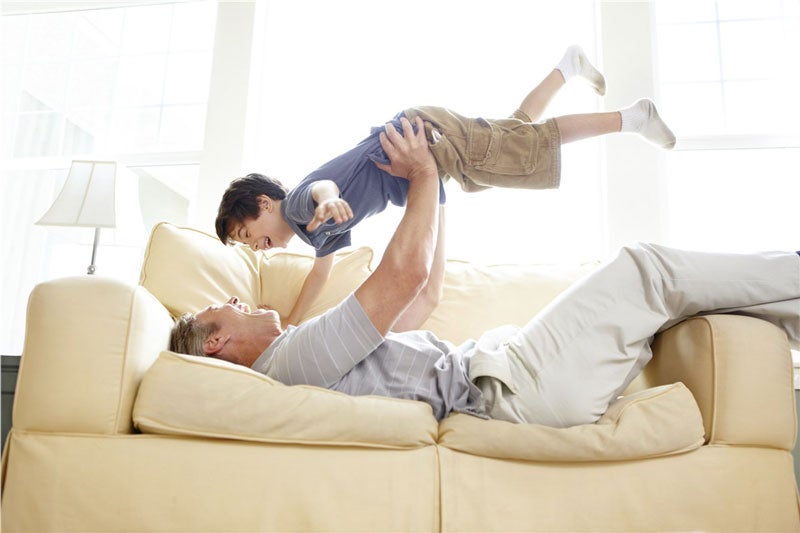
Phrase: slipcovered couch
[114,433]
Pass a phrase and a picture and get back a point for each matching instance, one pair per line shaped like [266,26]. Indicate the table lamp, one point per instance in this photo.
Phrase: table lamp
[86,200]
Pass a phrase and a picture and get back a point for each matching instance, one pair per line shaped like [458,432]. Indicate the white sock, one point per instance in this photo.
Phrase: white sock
[575,63]
[642,118]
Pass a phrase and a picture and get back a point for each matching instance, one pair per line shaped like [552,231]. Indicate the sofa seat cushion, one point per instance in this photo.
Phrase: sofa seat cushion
[200,396]
[655,422]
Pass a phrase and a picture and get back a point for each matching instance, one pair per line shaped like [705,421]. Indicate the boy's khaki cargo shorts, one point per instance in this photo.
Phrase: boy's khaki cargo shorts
[481,153]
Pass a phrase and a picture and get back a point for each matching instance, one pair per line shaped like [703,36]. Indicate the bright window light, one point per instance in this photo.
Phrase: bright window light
[727,80]
[76,84]
[329,76]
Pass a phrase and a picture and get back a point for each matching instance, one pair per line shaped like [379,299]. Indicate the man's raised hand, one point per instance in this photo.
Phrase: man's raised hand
[408,154]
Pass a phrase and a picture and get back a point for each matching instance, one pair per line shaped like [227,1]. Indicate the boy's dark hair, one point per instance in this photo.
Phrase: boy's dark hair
[240,201]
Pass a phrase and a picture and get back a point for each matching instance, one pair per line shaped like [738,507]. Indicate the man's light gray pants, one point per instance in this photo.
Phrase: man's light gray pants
[579,353]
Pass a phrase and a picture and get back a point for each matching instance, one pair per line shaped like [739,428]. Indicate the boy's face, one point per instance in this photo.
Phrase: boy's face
[268,230]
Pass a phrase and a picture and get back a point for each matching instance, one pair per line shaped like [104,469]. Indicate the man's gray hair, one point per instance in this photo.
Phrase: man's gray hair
[188,335]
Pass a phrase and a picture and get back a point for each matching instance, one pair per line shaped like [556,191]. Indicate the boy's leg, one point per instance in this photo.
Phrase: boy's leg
[579,353]
[641,118]
[573,64]
[577,127]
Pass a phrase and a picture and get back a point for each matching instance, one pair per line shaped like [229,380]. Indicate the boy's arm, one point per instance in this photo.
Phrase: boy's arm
[426,301]
[312,288]
[329,205]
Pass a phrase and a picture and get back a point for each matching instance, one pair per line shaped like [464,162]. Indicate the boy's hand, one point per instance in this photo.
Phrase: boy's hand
[409,153]
[335,208]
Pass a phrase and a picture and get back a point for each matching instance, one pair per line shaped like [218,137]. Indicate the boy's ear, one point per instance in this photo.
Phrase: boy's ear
[215,342]
[264,202]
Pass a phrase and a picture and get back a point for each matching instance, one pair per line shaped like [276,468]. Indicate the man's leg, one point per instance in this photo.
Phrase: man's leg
[573,64]
[582,351]
[641,118]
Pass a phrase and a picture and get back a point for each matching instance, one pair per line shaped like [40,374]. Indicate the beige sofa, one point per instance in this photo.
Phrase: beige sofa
[113,433]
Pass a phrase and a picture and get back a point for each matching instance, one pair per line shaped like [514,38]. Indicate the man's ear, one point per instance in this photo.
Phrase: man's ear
[215,342]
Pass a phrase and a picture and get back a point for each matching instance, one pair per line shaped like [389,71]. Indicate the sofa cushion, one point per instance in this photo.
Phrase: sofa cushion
[483,297]
[660,421]
[188,395]
[187,270]
[283,275]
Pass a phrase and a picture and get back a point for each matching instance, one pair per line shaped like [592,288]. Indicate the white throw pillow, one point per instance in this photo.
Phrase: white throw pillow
[200,396]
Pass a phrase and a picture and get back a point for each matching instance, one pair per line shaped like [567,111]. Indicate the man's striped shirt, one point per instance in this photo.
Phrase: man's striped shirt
[341,350]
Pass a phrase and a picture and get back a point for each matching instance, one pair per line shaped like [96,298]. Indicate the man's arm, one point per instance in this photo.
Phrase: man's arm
[406,263]
[428,298]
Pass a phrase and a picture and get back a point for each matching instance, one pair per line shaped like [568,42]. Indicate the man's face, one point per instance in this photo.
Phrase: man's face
[242,334]
[268,230]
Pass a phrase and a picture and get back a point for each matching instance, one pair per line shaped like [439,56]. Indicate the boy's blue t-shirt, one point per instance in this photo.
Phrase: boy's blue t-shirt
[363,185]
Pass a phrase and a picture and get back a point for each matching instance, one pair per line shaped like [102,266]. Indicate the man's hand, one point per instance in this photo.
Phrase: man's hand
[409,153]
[326,195]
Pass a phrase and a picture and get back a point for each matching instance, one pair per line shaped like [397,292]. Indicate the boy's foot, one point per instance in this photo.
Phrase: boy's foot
[575,63]
[642,118]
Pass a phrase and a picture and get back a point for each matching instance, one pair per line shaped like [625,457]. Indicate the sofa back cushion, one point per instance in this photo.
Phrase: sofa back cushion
[283,275]
[187,270]
[478,297]
[200,396]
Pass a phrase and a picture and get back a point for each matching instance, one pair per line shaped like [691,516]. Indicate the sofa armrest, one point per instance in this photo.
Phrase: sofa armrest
[88,342]
[740,371]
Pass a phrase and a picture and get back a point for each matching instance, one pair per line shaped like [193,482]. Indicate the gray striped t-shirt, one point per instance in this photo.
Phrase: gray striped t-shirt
[341,350]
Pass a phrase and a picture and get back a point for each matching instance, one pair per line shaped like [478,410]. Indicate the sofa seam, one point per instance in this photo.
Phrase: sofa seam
[439,486]
[714,378]
[668,389]
[124,365]
[22,359]
[147,251]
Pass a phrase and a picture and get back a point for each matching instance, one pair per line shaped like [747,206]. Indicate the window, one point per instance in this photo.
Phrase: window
[122,83]
[125,80]
[727,82]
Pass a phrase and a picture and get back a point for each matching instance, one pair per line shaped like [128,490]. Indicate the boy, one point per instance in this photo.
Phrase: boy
[478,153]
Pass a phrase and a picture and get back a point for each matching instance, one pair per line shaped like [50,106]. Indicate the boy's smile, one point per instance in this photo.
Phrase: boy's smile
[268,230]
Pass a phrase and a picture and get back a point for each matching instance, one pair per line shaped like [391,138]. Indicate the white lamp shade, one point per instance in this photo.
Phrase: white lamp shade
[87,198]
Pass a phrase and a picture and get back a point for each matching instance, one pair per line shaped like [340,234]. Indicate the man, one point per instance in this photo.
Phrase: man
[561,369]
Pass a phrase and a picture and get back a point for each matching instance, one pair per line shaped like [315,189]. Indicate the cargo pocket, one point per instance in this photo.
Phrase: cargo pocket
[501,150]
